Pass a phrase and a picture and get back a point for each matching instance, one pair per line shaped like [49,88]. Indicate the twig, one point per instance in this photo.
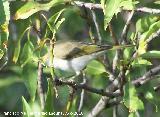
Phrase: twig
[115,40]
[97,26]
[154,35]
[40,85]
[123,38]
[104,100]
[88,5]
[115,60]
[113,103]
[98,6]
[87,88]
[147,76]
[148,10]
[82,94]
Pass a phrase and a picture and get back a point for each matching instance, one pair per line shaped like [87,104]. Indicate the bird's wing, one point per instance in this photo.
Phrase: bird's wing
[85,49]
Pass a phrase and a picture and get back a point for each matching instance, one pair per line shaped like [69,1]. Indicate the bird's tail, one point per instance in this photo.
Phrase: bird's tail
[121,47]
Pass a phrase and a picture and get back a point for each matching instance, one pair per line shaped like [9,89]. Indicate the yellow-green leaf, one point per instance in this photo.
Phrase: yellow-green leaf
[131,100]
[32,7]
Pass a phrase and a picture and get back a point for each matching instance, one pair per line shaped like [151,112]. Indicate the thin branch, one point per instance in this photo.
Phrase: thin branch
[98,6]
[97,26]
[113,103]
[147,76]
[87,88]
[115,40]
[154,35]
[104,100]
[82,95]
[123,38]
[88,5]
[40,85]
[148,10]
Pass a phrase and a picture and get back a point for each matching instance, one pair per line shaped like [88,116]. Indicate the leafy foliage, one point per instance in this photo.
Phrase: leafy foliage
[29,31]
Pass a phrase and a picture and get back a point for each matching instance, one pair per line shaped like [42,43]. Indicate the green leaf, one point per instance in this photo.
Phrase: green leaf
[53,22]
[49,99]
[30,79]
[132,114]
[145,37]
[131,100]
[110,7]
[95,68]
[143,24]
[140,61]
[128,4]
[151,54]
[32,7]
[18,46]
[27,53]
[4,21]
[151,96]
[152,29]
[26,108]
[1,53]
[4,12]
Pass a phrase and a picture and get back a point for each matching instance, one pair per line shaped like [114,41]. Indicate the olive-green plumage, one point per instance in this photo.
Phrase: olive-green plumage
[74,56]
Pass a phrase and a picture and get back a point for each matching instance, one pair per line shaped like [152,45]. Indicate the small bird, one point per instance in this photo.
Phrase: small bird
[74,56]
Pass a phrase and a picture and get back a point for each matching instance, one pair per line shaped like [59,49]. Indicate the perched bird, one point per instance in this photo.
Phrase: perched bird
[74,56]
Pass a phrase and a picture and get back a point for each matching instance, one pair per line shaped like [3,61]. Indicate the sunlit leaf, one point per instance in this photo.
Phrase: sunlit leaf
[131,100]
[27,53]
[4,22]
[18,46]
[151,96]
[152,29]
[140,61]
[128,4]
[95,68]
[26,108]
[145,36]
[132,114]
[32,7]
[1,53]
[110,7]
[151,54]
[4,12]
[143,24]
[53,22]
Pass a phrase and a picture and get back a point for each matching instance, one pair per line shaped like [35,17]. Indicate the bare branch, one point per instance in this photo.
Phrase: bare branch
[123,38]
[113,103]
[98,6]
[115,40]
[148,10]
[147,76]
[104,100]
[97,26]
[154,35]
[82,94]
[88,5]
[40,85]
[87,88]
